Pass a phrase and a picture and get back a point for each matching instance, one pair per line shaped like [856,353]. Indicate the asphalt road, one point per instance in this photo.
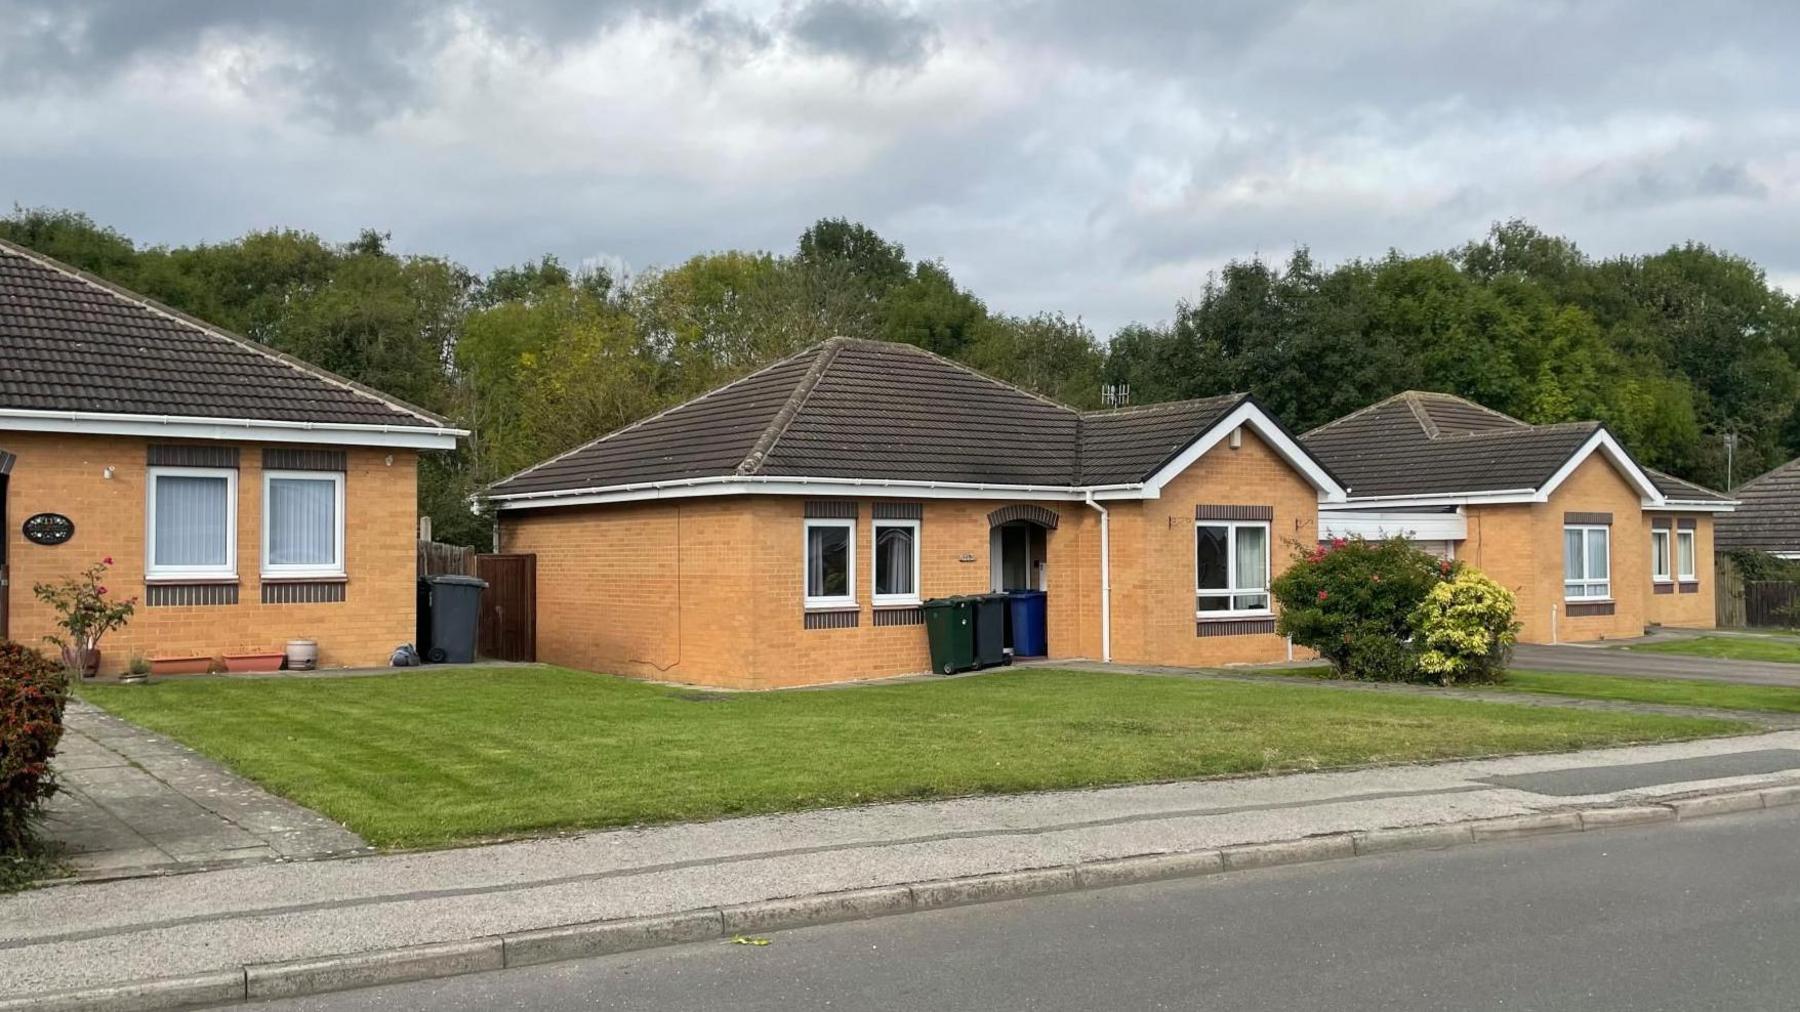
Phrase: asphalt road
[1700,915]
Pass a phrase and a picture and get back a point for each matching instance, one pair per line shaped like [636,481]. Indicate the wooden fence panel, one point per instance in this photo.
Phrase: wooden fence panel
[1728,594]
[439,559]
[1771,603]
[508,629]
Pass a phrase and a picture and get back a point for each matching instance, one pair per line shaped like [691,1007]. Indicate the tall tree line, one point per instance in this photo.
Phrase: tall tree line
[1675,350]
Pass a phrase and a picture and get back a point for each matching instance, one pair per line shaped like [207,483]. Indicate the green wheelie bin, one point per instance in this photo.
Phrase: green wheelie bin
[950,630]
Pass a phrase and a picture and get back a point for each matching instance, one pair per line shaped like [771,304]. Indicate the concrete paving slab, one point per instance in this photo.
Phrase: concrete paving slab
[1605,659]
[1612,779]
[135,802]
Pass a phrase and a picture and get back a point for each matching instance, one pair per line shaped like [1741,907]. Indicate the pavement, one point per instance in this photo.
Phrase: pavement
[1617,658]
[136,803]
[1693,915]
[284,929]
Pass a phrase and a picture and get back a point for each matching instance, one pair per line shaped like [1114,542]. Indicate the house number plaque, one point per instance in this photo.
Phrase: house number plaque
[48,528]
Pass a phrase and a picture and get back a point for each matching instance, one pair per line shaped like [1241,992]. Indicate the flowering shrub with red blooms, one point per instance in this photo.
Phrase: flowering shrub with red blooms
[84,610]
[32,692]
[1353,601]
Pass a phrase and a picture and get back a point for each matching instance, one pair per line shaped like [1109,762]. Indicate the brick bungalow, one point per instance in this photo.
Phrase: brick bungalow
[1594,545]
[784,529]
[246,498]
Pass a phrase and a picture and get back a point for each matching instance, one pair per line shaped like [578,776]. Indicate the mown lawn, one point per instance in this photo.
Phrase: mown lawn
[439,756]
[1731,648]
[1672,692]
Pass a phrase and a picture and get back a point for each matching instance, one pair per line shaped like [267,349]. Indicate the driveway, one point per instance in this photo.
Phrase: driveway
[1593,659]
[135,803]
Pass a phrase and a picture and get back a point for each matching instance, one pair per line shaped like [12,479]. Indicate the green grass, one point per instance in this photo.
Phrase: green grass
[1670,692]
[1731,648]
[434,757]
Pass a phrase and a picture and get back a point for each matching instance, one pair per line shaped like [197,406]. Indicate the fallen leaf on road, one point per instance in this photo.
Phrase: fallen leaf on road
[748,940]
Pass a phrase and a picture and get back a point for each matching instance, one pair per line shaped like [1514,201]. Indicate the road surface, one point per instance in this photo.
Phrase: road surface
[1698,915]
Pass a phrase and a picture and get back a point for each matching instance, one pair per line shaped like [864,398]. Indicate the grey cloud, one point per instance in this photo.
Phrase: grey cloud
[353,62]
[866,31]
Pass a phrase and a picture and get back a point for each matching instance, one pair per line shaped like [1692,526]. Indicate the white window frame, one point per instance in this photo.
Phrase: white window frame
[1588,579]
[875,563]
[336,568]
[848,600]
[1232,591]
[1662,551]
[154,572]
[1692,575]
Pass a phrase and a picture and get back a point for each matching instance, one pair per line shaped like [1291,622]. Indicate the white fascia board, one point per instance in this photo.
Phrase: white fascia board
[1603,441]
[1786,555]
[1376,524]
[1266,429]
[1692,506]
[775,485]
[1405,502]
[238,430]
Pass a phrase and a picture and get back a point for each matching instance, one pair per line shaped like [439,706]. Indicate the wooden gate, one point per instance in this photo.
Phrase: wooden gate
[508,630]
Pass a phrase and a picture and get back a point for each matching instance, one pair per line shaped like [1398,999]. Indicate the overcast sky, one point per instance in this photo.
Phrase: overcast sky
[1097,158]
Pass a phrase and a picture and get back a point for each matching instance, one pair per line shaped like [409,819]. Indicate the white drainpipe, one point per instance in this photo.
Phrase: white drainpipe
[1105,581]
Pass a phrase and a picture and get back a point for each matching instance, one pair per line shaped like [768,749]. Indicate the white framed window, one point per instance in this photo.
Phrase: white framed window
[1685,562]
[303,524]
[830,564]
[1231,568]
[190,521]
[1661,562]
[896,562]
[1587,562]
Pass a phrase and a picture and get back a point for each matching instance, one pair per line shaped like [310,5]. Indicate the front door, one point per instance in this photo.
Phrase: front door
[6,460]
[1019,555]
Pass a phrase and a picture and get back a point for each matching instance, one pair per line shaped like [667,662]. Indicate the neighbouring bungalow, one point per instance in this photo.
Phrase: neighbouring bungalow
[1594,545]
[245,498]
[1768,515]
[785,529]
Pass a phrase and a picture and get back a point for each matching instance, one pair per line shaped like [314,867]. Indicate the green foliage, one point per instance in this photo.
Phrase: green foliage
[1671,350]
[1760,567]
[1354,602]
[32,693]
[1465,629]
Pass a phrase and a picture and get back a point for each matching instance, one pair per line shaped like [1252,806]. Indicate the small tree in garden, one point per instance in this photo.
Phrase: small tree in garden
[86,612]
[32,692]
[1353,602]
[1465,629]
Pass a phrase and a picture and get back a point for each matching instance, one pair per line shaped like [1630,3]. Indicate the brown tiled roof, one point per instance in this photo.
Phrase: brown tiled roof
[1768,515]
[1423,443]
[1128,445]
[72,342]
[878,411]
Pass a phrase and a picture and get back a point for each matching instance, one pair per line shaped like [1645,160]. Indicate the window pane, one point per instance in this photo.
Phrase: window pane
[1596,555]
[1252,559]
[1685,542]
[1659,554]
[1209,558]
[894,560]
[828,562]
[302,522]
[1251,602]
[192,518]
[1210,603]
[1571,555]
[1574,590]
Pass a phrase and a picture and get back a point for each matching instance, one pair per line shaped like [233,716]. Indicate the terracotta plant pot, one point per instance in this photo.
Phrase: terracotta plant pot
[180,665]
[239,663]
[86,662]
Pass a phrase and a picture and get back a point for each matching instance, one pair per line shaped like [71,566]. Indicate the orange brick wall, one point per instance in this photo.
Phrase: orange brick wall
[65,474]
[1521,547]
[1153,555]
[1696,610]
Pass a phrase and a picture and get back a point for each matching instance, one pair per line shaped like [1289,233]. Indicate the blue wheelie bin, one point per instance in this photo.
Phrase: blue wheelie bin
[1029,635]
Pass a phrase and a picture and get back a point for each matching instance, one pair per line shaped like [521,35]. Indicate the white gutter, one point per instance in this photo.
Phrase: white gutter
[200,427]
[741,484]
[1105,582]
